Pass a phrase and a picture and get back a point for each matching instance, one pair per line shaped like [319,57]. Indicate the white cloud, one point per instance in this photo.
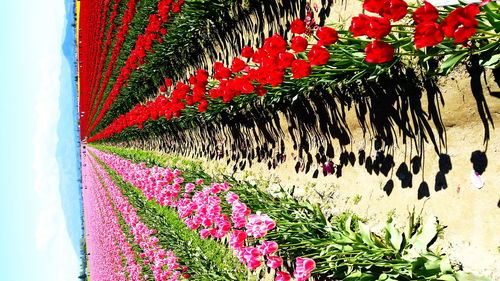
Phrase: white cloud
[60,262]
[51,237]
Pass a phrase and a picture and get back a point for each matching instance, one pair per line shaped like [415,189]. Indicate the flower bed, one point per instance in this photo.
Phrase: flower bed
[162,263]
[331,57]
[106,247]
[342,247]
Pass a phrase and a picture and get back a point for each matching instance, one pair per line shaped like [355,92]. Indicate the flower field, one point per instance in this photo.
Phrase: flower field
[149,72]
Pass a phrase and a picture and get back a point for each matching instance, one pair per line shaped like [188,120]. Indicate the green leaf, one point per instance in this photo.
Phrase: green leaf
[451,62]
[493,62]
[445,265]
[365,233]
[425,234]
[393,236]
[358,276]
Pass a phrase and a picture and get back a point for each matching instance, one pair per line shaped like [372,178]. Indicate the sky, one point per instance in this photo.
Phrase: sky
[39,204]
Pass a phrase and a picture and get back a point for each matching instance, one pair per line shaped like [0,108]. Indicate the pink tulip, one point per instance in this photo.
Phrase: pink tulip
[258,225]
[237,239]
[282,276]
[231,197]
[274,261]
[268,247]
[303,268]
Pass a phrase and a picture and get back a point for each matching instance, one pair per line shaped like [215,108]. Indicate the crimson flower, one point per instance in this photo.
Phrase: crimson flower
[374,6]
[327,35]
[300,68]
[275,78]
[394,9]
[379,52]
[198,92]
[243,85]
[168,82]
[202,107]
[285,59]
[426,13]
[260,91]
[237,65]
[427,34]
[461,23]
[274,45]
[299,44]
[176,7]
[192,79]
[221,72]
[389,9]
[259,55]
[298,26]
[247,52]
[201,76]
[318,55]
[374,27]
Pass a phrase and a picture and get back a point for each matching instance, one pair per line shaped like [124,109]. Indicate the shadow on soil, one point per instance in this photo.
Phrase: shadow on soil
[388,112]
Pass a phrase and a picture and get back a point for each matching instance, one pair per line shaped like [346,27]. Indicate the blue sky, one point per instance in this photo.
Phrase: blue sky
[34,239]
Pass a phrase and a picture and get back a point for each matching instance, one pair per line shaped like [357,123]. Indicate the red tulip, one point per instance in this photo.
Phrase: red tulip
[461,23]
[427,34]
[299,44]
[379,52]
[298,26]
[300,68]
[327,35]
[318,55]
[426,13]
[247,52]
[374,27]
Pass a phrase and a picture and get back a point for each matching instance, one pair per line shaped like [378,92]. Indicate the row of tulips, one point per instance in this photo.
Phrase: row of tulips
[162,264]
[92,64]
[202,207]
[331,56]
[92,19]
[95,94]
[186,35]
[105,27]
[206,259]
[144,43]
[107,247]
[343,247]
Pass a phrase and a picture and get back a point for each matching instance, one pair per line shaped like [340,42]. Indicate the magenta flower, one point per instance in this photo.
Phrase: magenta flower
[268,247]
[258,225]
[274,261]
[282,276]
[303,268]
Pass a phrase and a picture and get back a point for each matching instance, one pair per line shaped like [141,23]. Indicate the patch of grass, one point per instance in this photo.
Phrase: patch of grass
[356,199]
